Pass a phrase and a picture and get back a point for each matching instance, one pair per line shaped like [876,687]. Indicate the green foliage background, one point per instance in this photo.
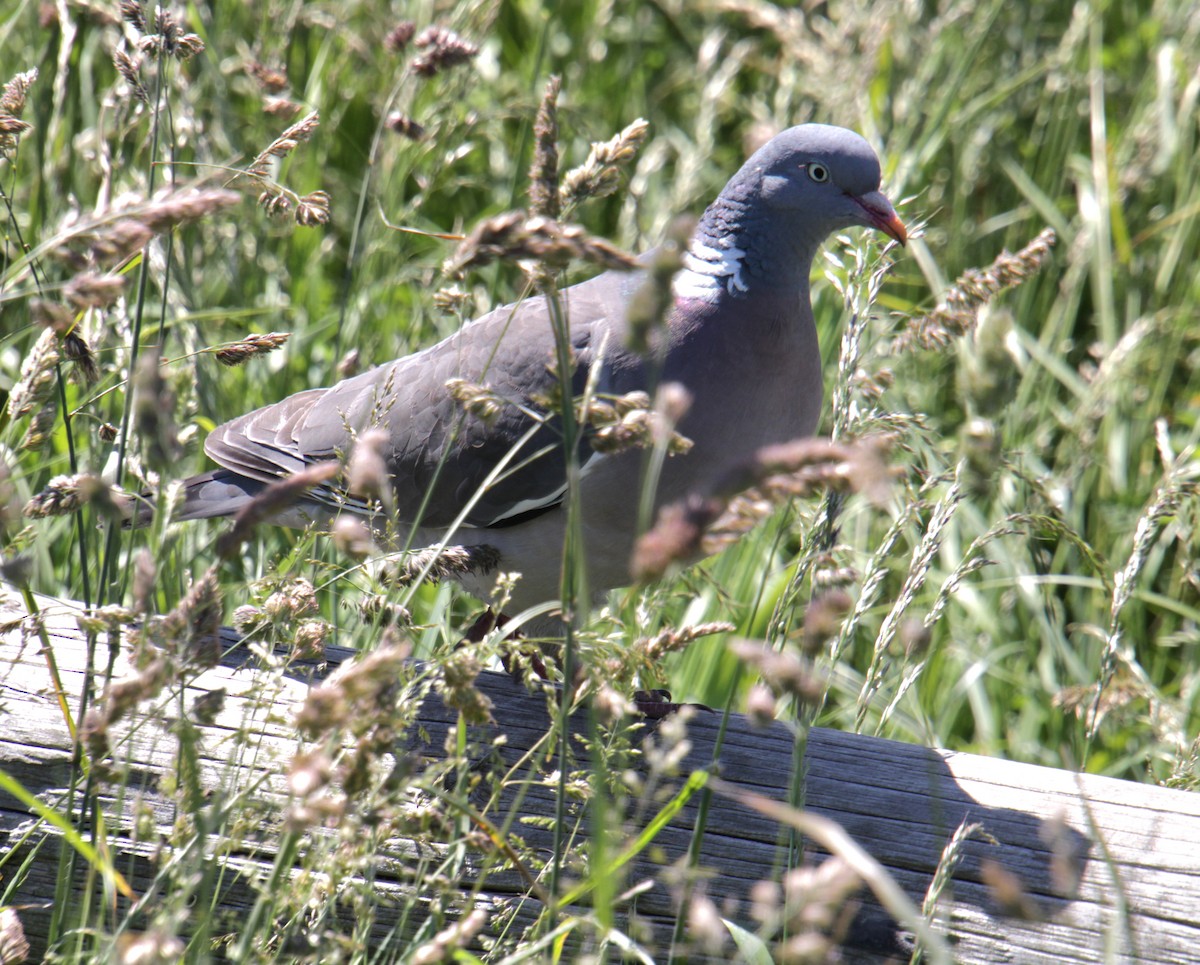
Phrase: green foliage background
[994,121]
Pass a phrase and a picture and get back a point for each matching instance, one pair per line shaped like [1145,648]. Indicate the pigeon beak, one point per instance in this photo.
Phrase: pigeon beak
[880,214]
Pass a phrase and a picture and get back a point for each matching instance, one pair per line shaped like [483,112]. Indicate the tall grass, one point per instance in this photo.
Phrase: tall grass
[1031,590]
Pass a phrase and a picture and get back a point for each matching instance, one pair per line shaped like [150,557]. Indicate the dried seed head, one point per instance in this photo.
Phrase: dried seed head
[543,174]
[36,384]
[313,209]
[1007,891]
[236,353]
[154,413]
[130,69]
[514,236]
[957,312]
[107,432]
[13,946]
[760,705]
[367,472]
[599,175]
[442,49]
[783,672]
[477,400]
[349,364]
[273,80]
[404,125]
[673,641]
[40,428]
[450,562]
[275,203]
[353,537]
[823,619]
[283,145]
[77,350]
[145,574]
[310,772]
[12,106]
[170,38]
[308,642]
[293,600]
[451,299]
[283,107]
[396,39]
[275,498]
[69,493]
[379,610]
[654,298]
[115,234]
[93,290]
[131,13]
[194,625]
[155,947]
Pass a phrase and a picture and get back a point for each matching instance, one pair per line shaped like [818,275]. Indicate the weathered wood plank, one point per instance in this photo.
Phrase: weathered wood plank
[900,802]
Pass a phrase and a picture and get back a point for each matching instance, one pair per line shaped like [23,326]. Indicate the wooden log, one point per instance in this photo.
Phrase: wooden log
[1135,849]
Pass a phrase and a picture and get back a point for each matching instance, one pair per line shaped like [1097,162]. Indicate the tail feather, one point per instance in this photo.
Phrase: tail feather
[218,492]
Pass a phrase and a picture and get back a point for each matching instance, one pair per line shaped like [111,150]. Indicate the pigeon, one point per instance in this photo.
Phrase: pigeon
[739,339]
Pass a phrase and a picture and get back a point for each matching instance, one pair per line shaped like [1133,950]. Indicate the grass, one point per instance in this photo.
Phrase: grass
[1032,589]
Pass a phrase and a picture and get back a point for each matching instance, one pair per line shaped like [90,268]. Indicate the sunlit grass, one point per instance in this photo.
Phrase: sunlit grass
[1049,487]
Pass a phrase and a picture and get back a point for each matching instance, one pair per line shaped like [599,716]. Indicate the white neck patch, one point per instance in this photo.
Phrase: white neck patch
[706,270]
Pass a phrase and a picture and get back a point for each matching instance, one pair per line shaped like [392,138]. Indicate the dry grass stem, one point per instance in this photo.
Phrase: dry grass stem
[959,308]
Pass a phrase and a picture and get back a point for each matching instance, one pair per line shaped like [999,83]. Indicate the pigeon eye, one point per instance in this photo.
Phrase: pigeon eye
[818,172]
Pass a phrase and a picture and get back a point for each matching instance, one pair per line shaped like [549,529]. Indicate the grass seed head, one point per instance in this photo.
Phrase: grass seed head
[13,946]
[12,106]
[130,69]
[441,49]
[405,126]
[235,353]
[36,385]
[959,309]
[516,236]
[543,174]
[599,176]
[397,39]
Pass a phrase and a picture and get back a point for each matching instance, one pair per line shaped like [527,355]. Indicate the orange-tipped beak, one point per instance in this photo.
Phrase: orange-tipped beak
[880,214]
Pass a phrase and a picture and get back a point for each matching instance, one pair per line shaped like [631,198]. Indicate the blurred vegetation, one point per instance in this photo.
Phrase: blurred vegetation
[1033,591]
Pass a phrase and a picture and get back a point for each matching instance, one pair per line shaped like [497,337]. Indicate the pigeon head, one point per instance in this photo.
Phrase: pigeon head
[797,189]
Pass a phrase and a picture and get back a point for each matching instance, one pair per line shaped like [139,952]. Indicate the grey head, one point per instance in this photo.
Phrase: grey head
[767,224]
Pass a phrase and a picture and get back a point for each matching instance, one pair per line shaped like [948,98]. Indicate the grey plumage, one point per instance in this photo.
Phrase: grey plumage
[740,338]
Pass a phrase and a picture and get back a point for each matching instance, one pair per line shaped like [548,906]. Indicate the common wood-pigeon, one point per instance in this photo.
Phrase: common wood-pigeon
[739,337]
